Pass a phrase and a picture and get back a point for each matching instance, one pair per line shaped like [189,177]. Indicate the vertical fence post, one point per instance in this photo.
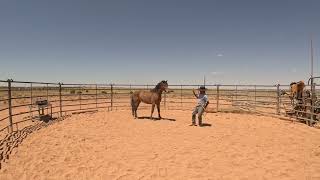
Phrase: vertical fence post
[278,99]
[111,101]
[60,98]
[10,106]
[232,96]
[313,97]
[96,96]
[80,92]
[181,95]
[48,97]
[248,100]
[165,100]
[218,94]
[255,97]
[236,95]
[31,94]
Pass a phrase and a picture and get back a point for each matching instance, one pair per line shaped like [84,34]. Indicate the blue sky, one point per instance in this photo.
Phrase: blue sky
[125,41]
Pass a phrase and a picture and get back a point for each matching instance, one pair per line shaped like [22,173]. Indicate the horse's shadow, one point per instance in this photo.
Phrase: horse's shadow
[148,117]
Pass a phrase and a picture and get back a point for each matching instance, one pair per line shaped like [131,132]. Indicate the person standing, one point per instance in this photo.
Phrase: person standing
[201,105]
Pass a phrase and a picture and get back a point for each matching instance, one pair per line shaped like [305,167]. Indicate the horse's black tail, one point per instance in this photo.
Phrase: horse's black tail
[132,103]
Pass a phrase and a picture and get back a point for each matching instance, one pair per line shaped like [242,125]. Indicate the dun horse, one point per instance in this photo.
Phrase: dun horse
[152,96]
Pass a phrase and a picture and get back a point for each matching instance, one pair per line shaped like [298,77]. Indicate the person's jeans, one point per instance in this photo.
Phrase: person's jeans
[197,110]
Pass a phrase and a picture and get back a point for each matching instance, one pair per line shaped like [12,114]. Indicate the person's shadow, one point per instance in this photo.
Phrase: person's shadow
[148,117]
[206,125]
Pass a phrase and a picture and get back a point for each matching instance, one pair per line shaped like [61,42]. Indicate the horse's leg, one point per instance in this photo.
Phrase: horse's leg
[152,109]
[132,107]
[158,107]
[136,108]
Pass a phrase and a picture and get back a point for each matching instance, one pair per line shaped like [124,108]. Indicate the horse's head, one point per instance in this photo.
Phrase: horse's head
[163,86]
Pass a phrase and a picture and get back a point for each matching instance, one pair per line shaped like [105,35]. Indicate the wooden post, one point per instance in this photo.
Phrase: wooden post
[60,98]
[218,94]
[278,99]
[10,106]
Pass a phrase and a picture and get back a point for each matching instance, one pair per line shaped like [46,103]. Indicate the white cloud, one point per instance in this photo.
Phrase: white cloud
[219,55]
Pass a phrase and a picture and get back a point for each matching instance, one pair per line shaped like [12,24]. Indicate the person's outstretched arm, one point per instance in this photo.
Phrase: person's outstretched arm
[206,104]
[194,93]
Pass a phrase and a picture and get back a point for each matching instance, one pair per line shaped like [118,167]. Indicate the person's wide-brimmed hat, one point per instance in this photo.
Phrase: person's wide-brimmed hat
[202,88]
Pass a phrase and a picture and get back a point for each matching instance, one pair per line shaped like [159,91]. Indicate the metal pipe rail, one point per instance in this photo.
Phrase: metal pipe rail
[109,95]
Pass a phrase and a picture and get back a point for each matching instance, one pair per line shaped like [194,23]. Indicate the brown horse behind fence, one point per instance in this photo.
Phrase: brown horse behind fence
[296,90]
[152,96]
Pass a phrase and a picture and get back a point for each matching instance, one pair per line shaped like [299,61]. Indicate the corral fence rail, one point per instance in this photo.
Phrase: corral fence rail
[17,99]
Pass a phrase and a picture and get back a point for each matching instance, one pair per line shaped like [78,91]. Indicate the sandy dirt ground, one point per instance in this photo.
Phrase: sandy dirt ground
[114,146]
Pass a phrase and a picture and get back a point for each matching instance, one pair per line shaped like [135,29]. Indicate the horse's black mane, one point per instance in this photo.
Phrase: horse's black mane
[155,89]
[293,83]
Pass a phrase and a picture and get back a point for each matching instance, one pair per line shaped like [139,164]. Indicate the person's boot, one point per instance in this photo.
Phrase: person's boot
[200,121]
[193,121]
